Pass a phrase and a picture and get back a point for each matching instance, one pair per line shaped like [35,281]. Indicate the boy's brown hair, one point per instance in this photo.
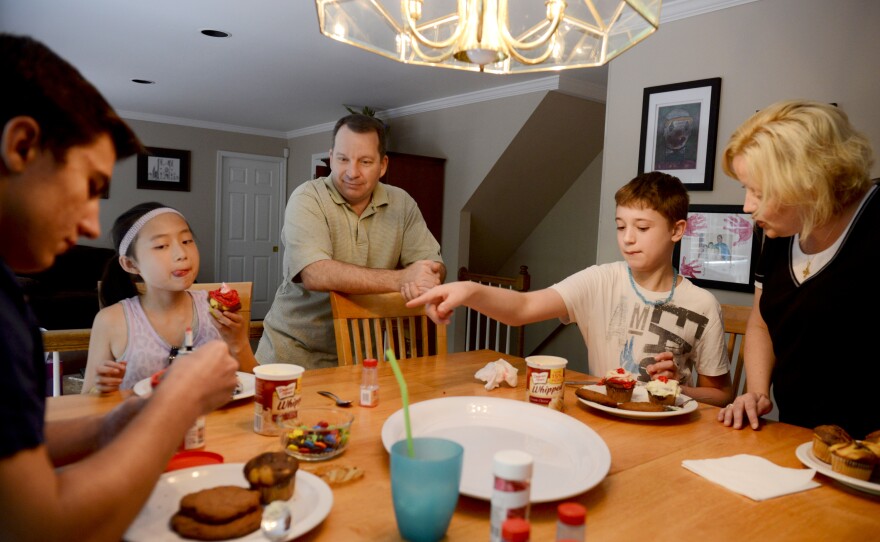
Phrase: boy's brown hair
[655,190]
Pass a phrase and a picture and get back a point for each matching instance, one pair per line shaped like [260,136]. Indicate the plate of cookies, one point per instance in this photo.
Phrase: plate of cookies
[215,502]
[638,407]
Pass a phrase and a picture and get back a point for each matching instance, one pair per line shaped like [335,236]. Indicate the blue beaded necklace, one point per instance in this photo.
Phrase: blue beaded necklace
[652,303]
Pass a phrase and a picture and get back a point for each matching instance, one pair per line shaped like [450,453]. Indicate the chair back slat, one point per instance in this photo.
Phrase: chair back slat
[365,325]
[735,318]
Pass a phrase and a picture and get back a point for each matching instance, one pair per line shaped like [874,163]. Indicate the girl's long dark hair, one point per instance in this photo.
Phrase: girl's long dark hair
[118,284]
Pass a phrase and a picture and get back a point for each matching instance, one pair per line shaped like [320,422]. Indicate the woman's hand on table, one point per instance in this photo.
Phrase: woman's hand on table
[749,407]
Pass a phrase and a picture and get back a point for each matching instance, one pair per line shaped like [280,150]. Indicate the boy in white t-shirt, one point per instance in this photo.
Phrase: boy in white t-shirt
[638,314]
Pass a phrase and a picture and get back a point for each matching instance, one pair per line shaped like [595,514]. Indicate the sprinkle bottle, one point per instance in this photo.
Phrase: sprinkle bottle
[369,396]
[511,492]
[515,530]
[195,435]
[571,522]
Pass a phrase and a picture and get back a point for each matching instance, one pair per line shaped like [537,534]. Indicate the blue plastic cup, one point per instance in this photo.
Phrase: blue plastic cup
[424,488]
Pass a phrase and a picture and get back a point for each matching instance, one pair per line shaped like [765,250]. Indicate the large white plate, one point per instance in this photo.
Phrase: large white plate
[311,501]
[248,386]
[640,394]
[804,452]
[570,458]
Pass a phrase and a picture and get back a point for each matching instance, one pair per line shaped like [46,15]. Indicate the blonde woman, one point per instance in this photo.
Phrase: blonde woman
[806,174]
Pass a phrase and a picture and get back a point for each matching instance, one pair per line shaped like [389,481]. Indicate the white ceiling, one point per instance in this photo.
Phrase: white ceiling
[275,75]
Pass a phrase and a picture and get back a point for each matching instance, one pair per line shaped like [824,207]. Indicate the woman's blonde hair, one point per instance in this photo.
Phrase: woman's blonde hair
[804,154]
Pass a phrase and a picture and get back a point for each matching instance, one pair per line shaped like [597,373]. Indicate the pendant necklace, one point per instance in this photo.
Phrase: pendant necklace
[807,268]
[810,257]
[652,303]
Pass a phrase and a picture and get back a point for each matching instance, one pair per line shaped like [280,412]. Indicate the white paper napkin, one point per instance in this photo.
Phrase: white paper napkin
[496,372]
[752,476]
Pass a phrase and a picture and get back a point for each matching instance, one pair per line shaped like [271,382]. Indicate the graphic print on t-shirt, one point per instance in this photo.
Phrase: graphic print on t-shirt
[651,330]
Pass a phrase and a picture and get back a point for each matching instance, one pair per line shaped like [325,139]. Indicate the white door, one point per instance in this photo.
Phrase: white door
[250,207]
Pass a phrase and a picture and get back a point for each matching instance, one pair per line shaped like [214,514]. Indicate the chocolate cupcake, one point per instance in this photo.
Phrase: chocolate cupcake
[663,391]
[619,385]
[273,474]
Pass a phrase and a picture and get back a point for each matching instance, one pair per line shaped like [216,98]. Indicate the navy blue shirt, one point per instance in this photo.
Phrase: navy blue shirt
[22,370]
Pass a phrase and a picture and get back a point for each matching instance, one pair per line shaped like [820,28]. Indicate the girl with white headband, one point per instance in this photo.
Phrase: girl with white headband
[136,335]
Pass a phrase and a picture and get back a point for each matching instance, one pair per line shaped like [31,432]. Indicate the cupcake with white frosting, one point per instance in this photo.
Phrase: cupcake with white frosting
[663,391]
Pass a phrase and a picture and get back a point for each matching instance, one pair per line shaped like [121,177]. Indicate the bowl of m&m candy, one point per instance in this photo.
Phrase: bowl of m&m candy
[316,433]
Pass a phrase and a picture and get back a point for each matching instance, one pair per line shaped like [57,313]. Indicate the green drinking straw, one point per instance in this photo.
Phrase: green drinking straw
[404,394]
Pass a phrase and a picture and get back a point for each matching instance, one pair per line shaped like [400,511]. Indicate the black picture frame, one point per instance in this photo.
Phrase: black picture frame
[163,169]
[679,131]
[727,263]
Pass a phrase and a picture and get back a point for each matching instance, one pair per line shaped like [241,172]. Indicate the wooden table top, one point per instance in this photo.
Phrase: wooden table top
[647,494]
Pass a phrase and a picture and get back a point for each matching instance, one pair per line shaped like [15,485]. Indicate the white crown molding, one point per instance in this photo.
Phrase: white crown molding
[164,119]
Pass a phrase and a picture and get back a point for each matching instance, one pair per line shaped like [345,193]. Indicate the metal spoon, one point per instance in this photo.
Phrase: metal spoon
[339,402]
[277,521]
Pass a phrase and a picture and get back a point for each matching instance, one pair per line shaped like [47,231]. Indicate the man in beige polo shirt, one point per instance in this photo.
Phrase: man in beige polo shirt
[348,233]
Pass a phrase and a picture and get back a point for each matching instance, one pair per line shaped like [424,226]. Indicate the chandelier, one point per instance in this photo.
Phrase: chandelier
[492,36]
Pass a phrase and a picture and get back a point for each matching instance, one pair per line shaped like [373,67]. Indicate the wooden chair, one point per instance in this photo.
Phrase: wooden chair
[365,323]
[484,332]
[735,318]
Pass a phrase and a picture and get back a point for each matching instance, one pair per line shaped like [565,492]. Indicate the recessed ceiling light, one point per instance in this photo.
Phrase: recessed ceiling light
[143,81]
[215,33]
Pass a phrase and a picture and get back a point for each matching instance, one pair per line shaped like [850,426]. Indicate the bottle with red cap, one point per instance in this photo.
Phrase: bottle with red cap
[511,489]
[571,522]
[515,530]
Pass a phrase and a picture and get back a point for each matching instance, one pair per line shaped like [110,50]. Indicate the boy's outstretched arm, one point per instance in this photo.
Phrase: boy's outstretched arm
[507,306]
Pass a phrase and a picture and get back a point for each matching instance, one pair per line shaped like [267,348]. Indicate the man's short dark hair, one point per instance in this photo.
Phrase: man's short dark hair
[362,124]
[37,83]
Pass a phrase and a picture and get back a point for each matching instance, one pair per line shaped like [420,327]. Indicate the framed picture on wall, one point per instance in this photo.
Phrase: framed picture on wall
[163,169]
[720,248]
[679,129]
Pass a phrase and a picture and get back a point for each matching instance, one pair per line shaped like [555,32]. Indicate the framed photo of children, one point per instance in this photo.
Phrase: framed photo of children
[720,247]
[679,129]
[163,169]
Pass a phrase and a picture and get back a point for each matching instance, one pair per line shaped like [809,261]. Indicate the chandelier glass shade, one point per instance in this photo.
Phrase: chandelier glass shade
[493,36]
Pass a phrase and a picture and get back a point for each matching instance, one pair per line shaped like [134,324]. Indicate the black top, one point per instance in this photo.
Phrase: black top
[823,331]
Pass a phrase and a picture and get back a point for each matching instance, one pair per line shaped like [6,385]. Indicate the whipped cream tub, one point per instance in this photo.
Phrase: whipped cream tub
[276,395]
[545,376]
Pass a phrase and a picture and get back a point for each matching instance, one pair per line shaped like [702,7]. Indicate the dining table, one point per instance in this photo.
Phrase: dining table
[646,495]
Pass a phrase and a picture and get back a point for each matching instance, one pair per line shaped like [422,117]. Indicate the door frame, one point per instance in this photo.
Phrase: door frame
[218,204]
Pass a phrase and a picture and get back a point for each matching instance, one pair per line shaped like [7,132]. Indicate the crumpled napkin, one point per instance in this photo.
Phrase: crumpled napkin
[752,476]
[496,372]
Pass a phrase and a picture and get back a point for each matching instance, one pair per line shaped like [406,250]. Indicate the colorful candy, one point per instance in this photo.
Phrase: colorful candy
[320,439]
